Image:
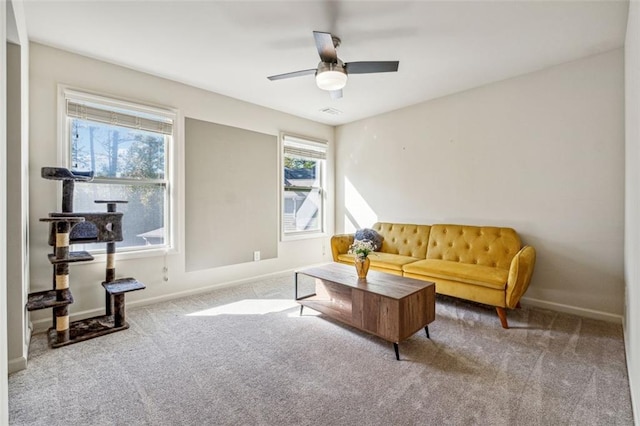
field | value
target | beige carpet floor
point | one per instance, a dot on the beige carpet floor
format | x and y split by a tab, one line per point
243	356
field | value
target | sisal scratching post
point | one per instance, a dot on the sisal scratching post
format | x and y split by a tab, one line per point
62	279
110	270
60	297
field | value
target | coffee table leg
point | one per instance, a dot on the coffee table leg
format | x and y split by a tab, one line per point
301	307
395	347
426	329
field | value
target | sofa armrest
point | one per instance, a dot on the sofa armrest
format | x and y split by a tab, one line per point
340	244
520	273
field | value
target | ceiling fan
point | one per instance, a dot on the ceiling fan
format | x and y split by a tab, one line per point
331	73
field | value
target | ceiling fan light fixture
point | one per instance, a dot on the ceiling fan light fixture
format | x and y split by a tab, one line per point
331	76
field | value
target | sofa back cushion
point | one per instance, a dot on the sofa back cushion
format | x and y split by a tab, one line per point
403	239
480	245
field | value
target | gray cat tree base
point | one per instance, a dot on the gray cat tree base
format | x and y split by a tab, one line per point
68	228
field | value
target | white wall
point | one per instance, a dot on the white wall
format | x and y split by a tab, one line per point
18	190
632	197
50	67
542	153
4	417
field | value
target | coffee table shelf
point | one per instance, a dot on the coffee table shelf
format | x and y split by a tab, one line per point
327	307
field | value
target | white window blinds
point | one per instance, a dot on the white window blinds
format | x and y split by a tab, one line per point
304	149
130	119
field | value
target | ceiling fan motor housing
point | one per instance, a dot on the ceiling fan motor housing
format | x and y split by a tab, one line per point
331	76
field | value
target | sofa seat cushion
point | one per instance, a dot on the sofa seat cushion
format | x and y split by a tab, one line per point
382	260
485	276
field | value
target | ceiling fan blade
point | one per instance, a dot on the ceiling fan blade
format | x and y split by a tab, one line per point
336	94
292	74
371	67
326	50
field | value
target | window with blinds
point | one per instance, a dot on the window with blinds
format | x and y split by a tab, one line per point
127	147
303	186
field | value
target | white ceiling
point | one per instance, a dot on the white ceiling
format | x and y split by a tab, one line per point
231	47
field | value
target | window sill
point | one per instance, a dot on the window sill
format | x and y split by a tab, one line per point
101	255
297	237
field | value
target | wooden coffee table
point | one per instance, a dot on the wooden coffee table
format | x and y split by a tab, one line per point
388	306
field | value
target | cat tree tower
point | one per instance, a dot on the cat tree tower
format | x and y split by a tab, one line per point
69	227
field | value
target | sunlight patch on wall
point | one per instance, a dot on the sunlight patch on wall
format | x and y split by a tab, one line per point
358	213
248	307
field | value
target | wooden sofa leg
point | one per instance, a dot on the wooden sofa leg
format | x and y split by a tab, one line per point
502	313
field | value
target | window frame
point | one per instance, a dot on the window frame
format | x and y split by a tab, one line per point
322	180
65	151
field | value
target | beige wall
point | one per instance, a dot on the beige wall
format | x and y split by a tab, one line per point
50	67
4	418
542	153
632	213
13	202
17	204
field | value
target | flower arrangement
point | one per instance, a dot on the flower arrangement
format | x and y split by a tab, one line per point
361	248
371	235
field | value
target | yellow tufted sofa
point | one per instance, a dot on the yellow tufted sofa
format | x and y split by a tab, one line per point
479	263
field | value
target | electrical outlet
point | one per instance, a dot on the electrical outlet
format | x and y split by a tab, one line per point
256	256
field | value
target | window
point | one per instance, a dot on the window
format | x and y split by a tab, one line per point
127	146
303	189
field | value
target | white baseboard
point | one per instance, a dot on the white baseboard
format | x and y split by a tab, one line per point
634	401
568	309
17	364
207	289
44	324
20	363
